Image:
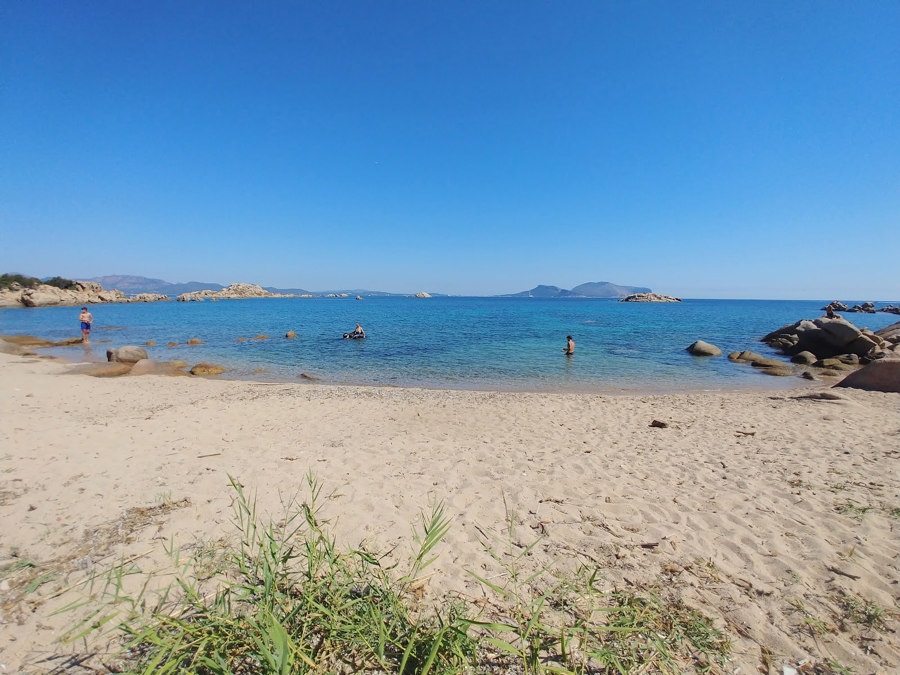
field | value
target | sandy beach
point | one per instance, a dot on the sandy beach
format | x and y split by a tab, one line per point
771	512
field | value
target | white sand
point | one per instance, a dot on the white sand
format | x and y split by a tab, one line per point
741	494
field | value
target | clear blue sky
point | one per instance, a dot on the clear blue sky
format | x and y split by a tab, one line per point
704	149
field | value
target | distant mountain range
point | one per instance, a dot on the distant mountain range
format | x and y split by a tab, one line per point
592	289
132	285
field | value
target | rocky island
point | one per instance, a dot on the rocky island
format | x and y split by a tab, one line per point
649	297
237	291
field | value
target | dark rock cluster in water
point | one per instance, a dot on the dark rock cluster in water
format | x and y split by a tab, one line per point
828	346
864	308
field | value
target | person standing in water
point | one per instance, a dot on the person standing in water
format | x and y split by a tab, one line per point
86	319
570	346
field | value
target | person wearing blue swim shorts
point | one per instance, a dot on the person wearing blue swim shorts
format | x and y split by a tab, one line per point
86	319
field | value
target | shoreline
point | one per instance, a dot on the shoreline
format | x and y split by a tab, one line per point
745	496
766	383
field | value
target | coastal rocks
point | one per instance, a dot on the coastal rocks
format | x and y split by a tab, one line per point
149	297
804	358
112	369
865	308
833	346
237	291
701	348
204	369
127	354
26	344
152	367
823	337
83	293
764	363
649	297
881	375
290	335
195	341
890	335
20	345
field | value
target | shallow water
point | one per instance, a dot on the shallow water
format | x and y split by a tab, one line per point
466	343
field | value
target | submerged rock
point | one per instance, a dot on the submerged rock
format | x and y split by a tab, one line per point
151	367
207	369
701	348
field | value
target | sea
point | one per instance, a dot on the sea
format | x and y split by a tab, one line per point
470	343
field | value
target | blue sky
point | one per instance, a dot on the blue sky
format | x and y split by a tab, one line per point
703	149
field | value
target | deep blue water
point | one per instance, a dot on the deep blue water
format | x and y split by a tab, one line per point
465	343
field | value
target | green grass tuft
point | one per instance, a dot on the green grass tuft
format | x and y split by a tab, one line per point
285	599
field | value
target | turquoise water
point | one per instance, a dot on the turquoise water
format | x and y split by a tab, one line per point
464	343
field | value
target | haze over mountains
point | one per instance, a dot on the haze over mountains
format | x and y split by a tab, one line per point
133	285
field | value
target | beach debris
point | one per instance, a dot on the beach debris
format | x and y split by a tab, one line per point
659	424
207	369
211	454
307	376
837	570
701	348
127	354
744	433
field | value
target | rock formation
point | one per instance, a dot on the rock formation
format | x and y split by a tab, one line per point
701	348
237	291
202	369
881	375
865	308
127	354
649	297
834	346
826	338
84	293
765	364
